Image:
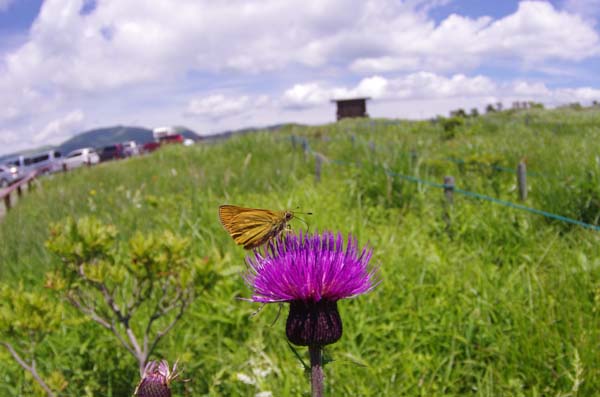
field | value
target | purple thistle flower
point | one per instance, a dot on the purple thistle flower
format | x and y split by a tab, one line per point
312	272
156	380
309	268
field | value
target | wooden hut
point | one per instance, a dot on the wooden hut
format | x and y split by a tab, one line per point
352	107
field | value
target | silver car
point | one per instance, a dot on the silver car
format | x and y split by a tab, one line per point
9	174
79	157
130	148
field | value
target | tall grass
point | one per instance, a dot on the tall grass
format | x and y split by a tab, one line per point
501	302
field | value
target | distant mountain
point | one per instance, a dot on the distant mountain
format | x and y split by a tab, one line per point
242	131
101	137
108	136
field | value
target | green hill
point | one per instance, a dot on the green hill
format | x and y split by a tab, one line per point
100	137
107	136
480	297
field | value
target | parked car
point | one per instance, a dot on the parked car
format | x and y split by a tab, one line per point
130	148
174	138
79	157
19	161
112	152
9	174
150	147
46	162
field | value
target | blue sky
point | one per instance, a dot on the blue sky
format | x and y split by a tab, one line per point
71	65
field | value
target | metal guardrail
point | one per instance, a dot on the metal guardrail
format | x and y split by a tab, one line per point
6	193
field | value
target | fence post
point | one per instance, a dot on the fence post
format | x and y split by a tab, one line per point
19	191
318	163
413	158
449	189
293	138
305	149
7	202
449	194
522	180
389	187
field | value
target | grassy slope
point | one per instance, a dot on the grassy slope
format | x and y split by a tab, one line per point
505	303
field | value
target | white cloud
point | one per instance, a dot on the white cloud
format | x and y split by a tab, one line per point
535	23
58	130
385	63
8	137
375	87
529	36
582	94
585	8
217	106
429	85
524	88
420	85
425	86
306	95
302	96
130	42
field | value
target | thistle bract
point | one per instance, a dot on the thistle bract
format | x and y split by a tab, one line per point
156	380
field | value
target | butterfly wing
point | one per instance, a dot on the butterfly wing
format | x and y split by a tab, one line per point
251	227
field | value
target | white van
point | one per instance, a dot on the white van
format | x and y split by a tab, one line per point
19	161
47	162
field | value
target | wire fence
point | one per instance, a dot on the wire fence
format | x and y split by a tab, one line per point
456	160
307	149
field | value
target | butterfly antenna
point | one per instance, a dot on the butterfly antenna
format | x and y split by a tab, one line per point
303	221
303	213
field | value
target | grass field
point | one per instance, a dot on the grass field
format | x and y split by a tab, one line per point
476	299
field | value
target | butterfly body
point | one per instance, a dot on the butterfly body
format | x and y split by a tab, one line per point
253	227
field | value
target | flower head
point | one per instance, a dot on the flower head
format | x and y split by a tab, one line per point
311	272
309	268
156	380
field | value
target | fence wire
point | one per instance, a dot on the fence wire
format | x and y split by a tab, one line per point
306	146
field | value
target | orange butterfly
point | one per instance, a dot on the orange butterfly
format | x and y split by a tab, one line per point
253	227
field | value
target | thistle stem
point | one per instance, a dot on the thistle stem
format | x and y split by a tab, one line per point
316	370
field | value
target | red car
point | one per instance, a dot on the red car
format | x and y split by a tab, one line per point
150	147
163	140
176	138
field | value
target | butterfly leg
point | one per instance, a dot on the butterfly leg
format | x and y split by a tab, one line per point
262	305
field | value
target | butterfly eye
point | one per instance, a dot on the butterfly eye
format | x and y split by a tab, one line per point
288	216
